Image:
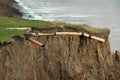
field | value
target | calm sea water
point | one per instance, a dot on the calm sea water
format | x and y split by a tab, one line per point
98	13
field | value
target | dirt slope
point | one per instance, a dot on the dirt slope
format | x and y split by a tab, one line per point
9	8
64	57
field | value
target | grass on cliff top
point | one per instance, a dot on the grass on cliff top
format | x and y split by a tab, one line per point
87	28
5	35
5	22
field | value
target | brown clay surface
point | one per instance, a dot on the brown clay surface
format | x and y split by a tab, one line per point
64	57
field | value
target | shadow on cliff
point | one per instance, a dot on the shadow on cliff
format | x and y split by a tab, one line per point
9	8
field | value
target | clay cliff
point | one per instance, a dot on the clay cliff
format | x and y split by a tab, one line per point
64	57
9	8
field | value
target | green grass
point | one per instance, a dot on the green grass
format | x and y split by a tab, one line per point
92	30
14	22
84	27
5	22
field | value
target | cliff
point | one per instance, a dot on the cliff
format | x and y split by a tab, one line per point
64	57
9	8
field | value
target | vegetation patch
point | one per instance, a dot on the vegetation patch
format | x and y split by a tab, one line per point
5	22
87	28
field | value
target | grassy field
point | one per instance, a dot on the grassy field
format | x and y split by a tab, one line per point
14	22
5	22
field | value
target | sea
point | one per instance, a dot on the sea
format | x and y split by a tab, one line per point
97	13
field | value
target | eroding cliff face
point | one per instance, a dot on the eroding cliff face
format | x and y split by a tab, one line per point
9	8
64	57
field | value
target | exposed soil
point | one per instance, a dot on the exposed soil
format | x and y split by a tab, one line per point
64	57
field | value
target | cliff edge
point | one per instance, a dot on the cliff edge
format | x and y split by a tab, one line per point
9	8
64	57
